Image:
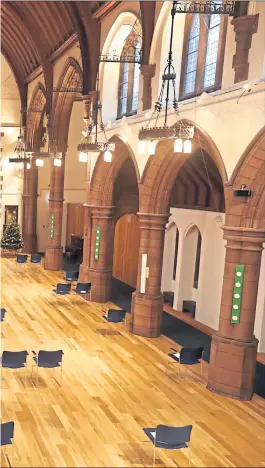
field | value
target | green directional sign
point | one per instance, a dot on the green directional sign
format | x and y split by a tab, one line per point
97	243
237	294
52	226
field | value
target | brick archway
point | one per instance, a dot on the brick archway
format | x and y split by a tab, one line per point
71	78
234	346
105	174
162	169
35	116
250	170
33	142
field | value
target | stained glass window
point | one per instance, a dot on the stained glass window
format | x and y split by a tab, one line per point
192	56
124	88
213	24
136	78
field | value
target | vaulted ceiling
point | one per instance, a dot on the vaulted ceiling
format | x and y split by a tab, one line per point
33	32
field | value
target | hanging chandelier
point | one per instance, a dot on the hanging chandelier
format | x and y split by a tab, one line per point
90	143
52	152
21	155
181	132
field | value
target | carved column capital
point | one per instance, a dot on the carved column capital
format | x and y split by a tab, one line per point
153	221
241	238
102	212
244	27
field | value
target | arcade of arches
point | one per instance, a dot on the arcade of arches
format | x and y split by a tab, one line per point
180	209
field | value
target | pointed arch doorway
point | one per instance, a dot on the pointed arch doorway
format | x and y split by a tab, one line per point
126	249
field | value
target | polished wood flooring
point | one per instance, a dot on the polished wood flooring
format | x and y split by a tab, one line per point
114	385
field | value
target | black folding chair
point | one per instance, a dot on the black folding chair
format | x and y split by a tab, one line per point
47	360
186	356
83	288
71	275
7	434
62	288
171	438
22	258
115	315
14	359
3	313
35	258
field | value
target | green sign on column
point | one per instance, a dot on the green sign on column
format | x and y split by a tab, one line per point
237	294
97	243
52	226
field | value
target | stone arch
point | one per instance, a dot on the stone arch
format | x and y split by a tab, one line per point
163	168
71	77
105	174
249	171
35	117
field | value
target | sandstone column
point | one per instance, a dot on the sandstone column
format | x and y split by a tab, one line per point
148	72
54	249
100	269
244	27
234	347
30	208
147	307
84	267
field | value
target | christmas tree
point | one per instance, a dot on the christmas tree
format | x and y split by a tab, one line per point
12	238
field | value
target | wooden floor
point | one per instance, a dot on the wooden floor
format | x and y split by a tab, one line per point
114	385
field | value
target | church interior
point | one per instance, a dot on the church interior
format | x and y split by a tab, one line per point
132	226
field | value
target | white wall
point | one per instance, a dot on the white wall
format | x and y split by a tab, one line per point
259	328
208	294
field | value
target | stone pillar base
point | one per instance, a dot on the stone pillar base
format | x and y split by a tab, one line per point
53	258
232	367
30	243
84	274
101	285
147	312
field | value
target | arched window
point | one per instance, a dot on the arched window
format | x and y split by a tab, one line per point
129	77
203	54
197	261
176	254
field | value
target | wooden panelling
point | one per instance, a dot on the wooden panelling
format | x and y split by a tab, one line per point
126	249
75	220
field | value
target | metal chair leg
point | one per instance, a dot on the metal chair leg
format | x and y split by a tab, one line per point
154	456
201	372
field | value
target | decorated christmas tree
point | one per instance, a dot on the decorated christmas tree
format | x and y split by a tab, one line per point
12	238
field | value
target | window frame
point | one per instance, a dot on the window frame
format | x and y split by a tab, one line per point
200	70
129	111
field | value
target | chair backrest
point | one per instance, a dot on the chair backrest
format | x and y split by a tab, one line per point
50	357
3	313
116	315
14	358
63	288
83	288
172	435
71	275
21	258
35	258
190	355
7	431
